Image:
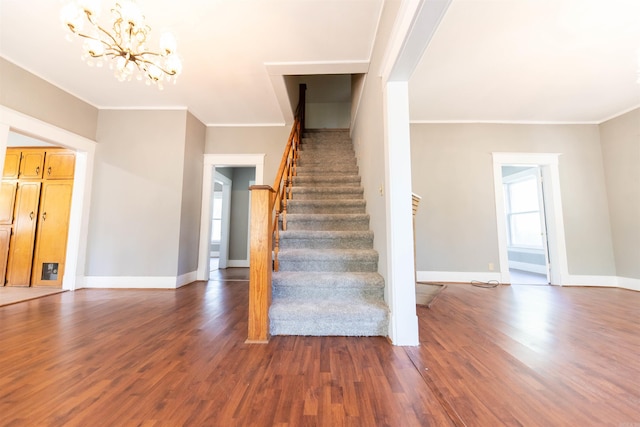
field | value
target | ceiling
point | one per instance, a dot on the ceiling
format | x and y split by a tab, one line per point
565	61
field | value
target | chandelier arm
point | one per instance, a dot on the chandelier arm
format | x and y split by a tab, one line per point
161	68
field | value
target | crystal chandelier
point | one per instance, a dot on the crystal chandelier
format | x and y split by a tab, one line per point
122	41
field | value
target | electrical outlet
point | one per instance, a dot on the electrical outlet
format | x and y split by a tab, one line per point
490	266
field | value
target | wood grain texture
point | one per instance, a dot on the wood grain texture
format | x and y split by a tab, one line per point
260	263
532	356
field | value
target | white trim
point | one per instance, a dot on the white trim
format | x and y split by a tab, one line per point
210	161
225	220
130	282
548	163
185	279
278	70
400	291
585	280
629	283
457	276
502	122
415	25
235	263
527	266
628	110
246	125
83	179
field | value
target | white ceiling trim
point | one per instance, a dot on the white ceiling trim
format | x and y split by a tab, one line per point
412	32
502	122
245	125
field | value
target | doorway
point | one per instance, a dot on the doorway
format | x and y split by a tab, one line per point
527	246
213	162
545	166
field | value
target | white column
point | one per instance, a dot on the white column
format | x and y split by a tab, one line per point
403	327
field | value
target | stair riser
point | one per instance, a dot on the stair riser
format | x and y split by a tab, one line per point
312	327
318	293
326	244
344	225
335	266
328	181
326	194
322	210
327	169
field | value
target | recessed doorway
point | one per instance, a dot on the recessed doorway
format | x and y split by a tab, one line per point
545	166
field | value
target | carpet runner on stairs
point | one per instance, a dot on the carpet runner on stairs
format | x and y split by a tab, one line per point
328	282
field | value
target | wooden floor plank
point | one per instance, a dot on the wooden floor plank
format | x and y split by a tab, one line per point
504	356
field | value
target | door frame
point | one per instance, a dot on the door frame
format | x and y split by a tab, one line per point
210	162
84	148
223	255
548	164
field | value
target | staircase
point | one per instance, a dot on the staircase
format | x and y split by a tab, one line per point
327	283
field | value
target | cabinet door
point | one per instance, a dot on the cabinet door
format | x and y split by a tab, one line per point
32	164
22	241
11	164
7	199
59	164
5	237
51	238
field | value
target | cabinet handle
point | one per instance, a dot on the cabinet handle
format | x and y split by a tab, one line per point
37	170
49	170
31	216
44	216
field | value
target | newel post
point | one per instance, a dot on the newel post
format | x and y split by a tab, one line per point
260	263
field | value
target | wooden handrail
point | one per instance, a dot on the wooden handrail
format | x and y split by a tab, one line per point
284	178
268	207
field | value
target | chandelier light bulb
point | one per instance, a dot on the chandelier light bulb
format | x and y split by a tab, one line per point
122	39
92	7
168	43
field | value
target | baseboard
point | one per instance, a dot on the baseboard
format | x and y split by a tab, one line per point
234	263
571	280
127	282
603	281
185	279
629	283
457	276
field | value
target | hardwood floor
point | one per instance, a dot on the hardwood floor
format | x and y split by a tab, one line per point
521	355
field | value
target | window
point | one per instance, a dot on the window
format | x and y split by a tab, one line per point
216	226
524	227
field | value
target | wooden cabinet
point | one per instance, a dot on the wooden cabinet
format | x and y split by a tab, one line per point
5	237
35	203
24	232
59	165
11	164
51	236
24	163
7	199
